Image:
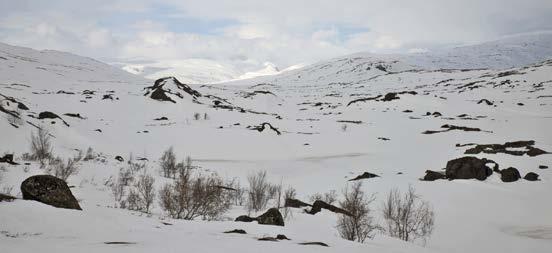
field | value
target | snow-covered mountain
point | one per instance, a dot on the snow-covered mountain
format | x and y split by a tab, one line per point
335	120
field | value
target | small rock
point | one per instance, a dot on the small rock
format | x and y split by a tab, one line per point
244	218
542	167
271	217
119	158
531	176
509	175
433	175
281	237
236	231
364	175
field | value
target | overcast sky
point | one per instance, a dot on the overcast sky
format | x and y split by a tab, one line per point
250	32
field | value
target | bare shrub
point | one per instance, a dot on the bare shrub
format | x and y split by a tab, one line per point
145	191
344	127
41	146
191	196
89	154
61	169
197	116
168	163
238	194
289	193
407	216
259	191
360	225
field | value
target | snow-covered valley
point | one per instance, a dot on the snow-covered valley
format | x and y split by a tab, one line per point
394	116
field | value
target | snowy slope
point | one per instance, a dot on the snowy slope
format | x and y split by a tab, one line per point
314	153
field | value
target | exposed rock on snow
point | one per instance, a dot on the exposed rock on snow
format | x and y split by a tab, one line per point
264	126
511	148
433	175
318	205
364	175
531	176
74	115
451	128
235	231
295	203
8	158
271	217
6	198
510	174
314	243
51	115
49	190
169	89
468	167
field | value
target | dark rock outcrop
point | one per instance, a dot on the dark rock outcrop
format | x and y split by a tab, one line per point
281	237
271	217
236	231
119	158
510	148
245	218
509	175
295	203
433	175
314	243
264	126
8	158
543	167
49	190
159	92
467	168
364	175
486	101
531	176
6	198
51	115
318	205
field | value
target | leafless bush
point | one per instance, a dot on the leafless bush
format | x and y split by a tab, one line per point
360	225
407	216
61	169
191	196
344	127
259	191
289	193
328	197
237	195
168	163
205	116
197	116
41	146
146	192
89	154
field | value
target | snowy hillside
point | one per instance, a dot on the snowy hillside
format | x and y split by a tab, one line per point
331	122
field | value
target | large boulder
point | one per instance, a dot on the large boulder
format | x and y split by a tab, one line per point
509	175
468	167
295	203
49	190
271	217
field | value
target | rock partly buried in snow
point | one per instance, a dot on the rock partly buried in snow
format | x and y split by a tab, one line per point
49	190
51	115
543	167
8	158
364	175
318	205
468	167
486	101
119	158
236	231
6	198
169	89
245	218
261	128
271	217
509	175
295	203
510	148
433	175
451	128
531	176
314	243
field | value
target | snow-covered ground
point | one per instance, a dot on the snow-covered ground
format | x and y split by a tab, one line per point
315	152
